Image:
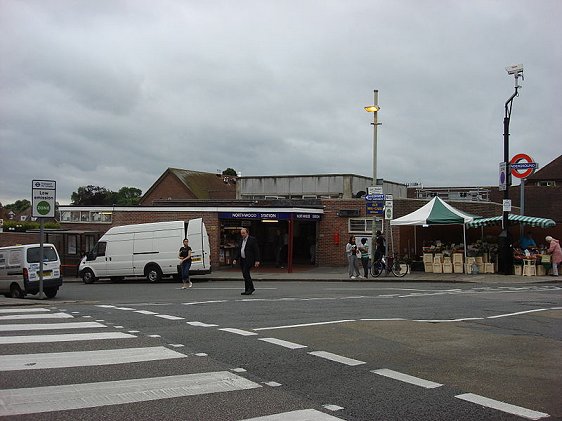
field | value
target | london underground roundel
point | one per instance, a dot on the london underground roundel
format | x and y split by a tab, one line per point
522	162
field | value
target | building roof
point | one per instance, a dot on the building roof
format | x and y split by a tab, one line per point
202	185
550	172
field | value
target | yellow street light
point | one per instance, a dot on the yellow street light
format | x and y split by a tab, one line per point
372	108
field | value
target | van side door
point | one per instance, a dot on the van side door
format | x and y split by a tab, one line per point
96	259
199	243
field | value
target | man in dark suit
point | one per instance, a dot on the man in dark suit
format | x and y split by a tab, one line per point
248	254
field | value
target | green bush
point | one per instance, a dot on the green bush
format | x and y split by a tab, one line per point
23	226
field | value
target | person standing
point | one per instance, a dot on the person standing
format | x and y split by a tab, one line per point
248	255
556	251
351	253
364	249
380	246
527	242
185	262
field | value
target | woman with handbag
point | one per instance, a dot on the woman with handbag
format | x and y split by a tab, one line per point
556	252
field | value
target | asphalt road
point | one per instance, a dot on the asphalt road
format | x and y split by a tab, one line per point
329	350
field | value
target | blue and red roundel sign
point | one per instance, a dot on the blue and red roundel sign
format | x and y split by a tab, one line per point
524	163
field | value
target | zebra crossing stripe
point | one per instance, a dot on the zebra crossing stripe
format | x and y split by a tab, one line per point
67	337
23	310
300	415
90	395
337	358
50	326
85	358
37	316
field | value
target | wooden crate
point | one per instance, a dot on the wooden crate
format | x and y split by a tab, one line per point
447	267
458	268
488	268
517	269
428	258
458	258
428	267
437	267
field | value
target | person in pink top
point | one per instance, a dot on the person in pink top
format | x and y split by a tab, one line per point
556	251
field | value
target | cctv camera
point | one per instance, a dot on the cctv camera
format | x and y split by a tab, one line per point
515	69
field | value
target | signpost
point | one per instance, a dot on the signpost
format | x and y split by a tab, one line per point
44	196
522	162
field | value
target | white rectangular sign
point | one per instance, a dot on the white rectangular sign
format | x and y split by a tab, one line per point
374	190
507	205
43	198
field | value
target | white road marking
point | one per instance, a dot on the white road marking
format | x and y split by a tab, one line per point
85	358
204	302
37	316
303	325
517	313
201	354
124	308
337	358
502	406
165	316
449	320
67	337
300	415
383	320
273	384
239	370
154	336
23	310
49	326
238	331
105	306
150	313
286	344
177	345
89	395
201	324
406	378
333	407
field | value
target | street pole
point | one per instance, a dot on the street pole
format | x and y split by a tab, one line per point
375	125
505	242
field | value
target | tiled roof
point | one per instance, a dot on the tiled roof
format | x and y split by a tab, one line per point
206	185
550	172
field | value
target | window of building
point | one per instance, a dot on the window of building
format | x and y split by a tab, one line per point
86	216
72	244
546	183
361	225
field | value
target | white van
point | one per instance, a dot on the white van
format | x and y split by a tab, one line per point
150	250
19	270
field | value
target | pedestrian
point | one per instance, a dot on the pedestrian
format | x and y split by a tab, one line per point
185	263
380	246
554	249
248	255
364	249
527	242
351	253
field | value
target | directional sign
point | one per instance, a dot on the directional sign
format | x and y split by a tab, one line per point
43	195
375	208
374	197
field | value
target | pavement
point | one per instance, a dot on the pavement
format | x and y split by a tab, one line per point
335	274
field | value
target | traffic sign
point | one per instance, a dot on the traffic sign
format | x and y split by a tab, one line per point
43	198
374	197
503	176
528	167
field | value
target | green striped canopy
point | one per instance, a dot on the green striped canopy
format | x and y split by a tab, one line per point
532	221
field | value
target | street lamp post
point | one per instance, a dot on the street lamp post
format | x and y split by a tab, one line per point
375	110
506	245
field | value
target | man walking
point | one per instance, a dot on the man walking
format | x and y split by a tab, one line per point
248	254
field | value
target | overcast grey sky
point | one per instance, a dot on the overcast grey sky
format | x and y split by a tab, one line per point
111	93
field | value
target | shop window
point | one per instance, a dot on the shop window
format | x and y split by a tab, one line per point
72	244
65	216
106	216
361	225
84	216
74	216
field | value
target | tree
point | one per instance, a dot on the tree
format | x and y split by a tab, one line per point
92	195
18	206
230	171
127	196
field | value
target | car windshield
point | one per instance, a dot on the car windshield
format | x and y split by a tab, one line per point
49	254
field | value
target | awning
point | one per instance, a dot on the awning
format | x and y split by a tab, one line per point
531	221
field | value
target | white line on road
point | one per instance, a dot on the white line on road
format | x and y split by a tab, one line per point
286	344
23	310
336	358
238	331
449	320
303	325
204	302
518	313
165	316
150	313
90	395
67	337
201	324
85	358
300	415
502	406
49	326
406	378
383	320
37	316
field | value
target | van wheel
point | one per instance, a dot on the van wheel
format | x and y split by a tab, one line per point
16	292
88	276
51	292
153	274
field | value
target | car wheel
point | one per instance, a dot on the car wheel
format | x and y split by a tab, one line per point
88	276
16	292
153	274
51	292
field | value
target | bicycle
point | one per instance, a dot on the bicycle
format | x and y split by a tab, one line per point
397	266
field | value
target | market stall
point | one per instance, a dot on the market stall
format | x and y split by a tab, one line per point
437	212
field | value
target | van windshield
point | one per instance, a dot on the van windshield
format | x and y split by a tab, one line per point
49	254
